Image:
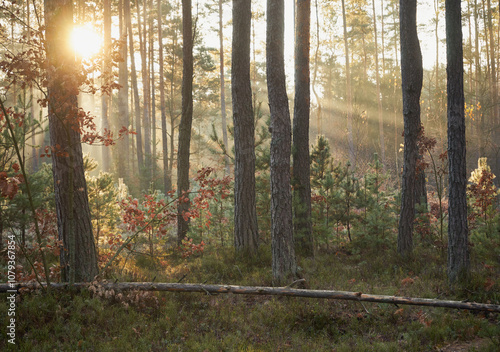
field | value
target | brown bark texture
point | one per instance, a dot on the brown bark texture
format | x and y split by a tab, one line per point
458	249
70	188
283	263
122	146
268	291
246	236
301	163
411	76
106	80
137	109
146	91
186	118
167	182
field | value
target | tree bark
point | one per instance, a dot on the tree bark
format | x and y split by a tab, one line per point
106	80
246	235
411	77
268	291
379	95
186	119
319	109
493	75
458	248
153	91
301	162
78	257
478	79
146	93
283	250
223	90
350	139
122	146
137	108
167	182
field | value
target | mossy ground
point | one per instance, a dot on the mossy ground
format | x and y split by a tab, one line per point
65	321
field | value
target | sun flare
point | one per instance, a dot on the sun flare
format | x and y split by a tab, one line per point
85	41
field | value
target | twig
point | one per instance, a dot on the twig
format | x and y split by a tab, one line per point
295	282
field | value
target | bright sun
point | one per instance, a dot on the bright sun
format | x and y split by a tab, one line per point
85	41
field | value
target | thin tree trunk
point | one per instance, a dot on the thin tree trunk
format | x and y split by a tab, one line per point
301	162
379	95
477	60
350	138
123	119
106	74
493	75
315	73
172	107
223	90
34	156
458	247
146	92
411	78
153	92
436	33
382	35
137	108
186	119
167	182
272	291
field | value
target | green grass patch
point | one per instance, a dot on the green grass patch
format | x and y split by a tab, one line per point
69	321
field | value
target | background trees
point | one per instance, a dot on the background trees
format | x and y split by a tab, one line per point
356	108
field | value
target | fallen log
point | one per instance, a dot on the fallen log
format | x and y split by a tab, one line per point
256	290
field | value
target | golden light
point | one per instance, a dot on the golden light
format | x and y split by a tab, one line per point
85	41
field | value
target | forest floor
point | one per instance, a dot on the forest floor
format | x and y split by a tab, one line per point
146	321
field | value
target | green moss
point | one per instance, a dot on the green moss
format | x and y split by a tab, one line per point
66	321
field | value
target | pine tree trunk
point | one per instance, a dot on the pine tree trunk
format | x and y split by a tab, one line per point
34	156
167	182
153	92
122	147
382	35
301	162
492	46
379	95
350	138
478	80
137	108
246	235
284	264
458	247
146	92
315	74
78	259
186	118
106	74
223	90
172	107
411	78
